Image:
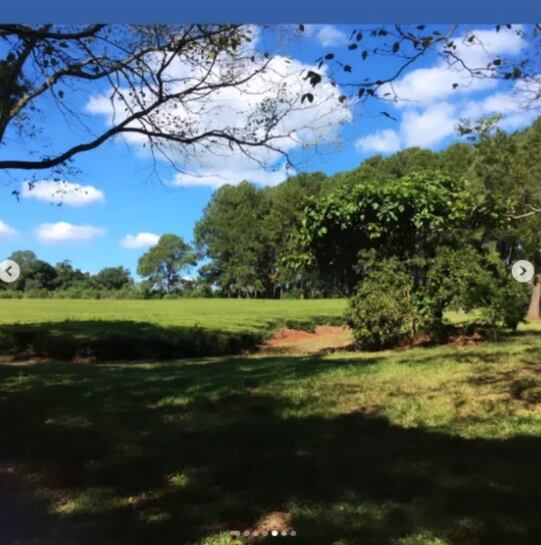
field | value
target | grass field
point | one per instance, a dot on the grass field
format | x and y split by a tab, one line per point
227	314
67	329
426	446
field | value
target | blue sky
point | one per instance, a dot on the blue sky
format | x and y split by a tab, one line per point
122	198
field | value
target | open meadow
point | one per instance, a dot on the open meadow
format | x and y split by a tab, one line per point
128	330
422	446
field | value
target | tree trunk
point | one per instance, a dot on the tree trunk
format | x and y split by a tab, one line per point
535	299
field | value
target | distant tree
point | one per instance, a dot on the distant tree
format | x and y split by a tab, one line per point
246	231
113	278
69	277
286	210
23	257
35	273
164	263
232	235
39	275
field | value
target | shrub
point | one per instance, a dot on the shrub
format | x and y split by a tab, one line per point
37	293
11	294
381	310
508	303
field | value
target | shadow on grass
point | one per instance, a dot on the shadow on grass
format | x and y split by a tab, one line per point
119	340
170	454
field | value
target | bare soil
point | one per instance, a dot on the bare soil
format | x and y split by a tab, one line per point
294	341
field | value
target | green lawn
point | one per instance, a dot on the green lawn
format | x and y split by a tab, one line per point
429	446
227	314
426	446
67	329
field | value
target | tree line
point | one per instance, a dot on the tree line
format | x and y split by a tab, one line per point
315	235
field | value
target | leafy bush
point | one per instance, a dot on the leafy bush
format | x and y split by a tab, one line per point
381	310
11	294
508	304
36	293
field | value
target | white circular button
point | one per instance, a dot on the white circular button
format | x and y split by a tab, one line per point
522	271
9	271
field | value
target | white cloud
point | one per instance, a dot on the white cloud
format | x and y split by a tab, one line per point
488	44
424	86
6	232
516	112
428	127
329	35
421	127
140	240
62	192
385	141
280	86
218	172
431	109
52	233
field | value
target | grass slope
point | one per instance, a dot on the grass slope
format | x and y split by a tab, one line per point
429	446
67	329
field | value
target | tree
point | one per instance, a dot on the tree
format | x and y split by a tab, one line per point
164	263
113	278
35	273
69	277
231	234
286	209
162	85
23	257
506	166
407	218
381	311
246	233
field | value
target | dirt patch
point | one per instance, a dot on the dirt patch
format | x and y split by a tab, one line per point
277	522
466	340
294	341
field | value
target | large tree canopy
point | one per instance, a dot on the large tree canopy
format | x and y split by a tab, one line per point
406	218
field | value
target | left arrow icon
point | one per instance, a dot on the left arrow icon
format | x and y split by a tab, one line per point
9	271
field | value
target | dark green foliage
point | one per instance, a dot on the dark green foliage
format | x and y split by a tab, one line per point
69	277
508	303
232	236
246	232
113	278
381	310
408	218
35	273
120	341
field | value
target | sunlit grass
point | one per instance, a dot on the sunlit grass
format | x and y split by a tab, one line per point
227	314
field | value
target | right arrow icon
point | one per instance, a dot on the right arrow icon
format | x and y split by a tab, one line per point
522	271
